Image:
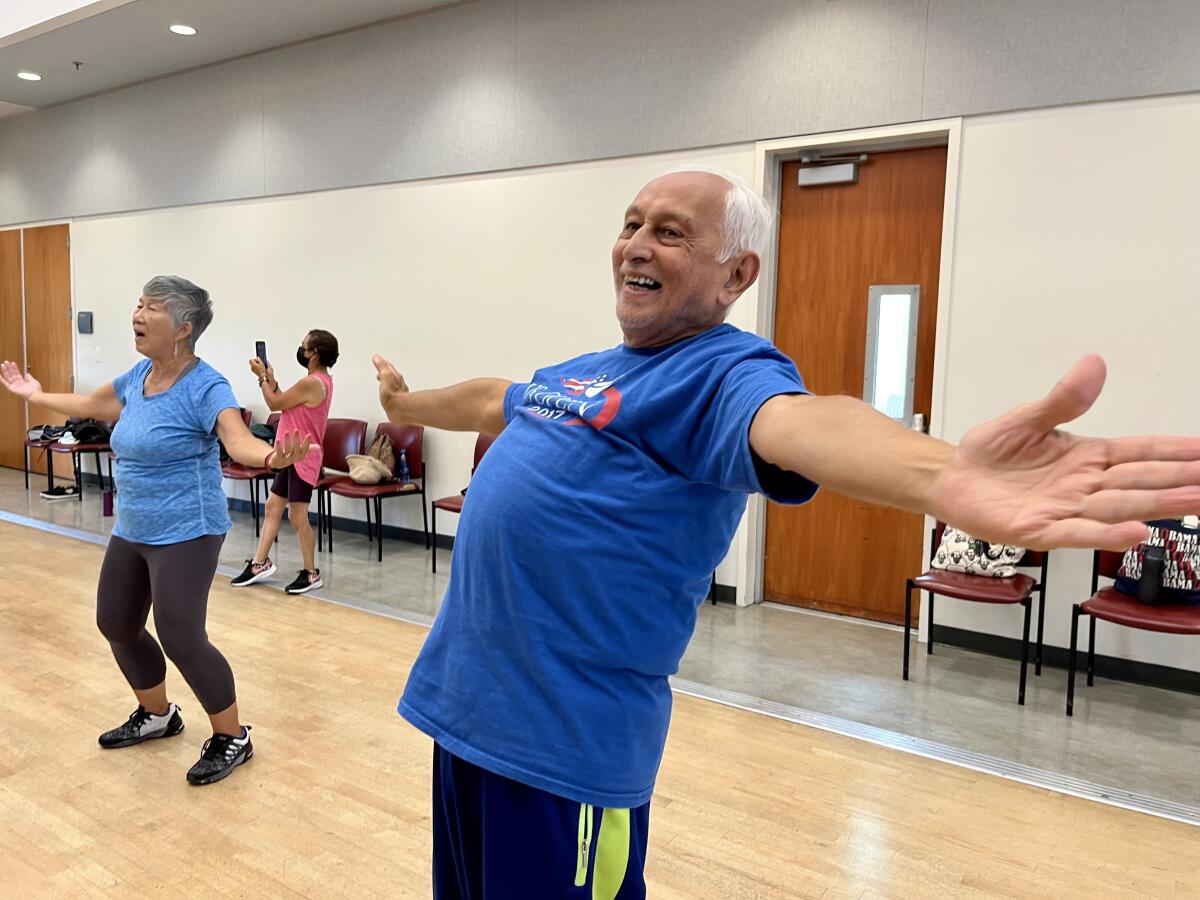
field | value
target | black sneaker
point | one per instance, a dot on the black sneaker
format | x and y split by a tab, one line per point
143	726
60	493
222	754
305	581
253	572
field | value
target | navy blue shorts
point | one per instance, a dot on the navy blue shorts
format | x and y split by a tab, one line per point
497	838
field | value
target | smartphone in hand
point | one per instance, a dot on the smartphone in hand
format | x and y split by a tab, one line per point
260	350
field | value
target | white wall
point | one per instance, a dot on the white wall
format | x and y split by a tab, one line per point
1077	231
489	275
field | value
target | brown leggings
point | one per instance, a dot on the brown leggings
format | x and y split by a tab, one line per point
174	579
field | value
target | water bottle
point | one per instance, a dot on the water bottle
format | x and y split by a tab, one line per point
106	502
403	468
1152	570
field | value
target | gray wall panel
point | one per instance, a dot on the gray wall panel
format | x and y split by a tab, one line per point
987	56
628	76
41	171
425	96
189	139
501	84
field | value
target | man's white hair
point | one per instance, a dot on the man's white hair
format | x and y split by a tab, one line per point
748	217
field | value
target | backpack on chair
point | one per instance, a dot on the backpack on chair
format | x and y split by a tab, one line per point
376	465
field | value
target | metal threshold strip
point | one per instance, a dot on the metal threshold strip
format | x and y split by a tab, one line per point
893	740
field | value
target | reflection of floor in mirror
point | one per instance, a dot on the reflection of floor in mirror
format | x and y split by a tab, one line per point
1124	736
335	802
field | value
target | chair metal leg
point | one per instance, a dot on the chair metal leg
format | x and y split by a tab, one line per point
112	483
908	589
929	626
1071	660
320	521
367	501
254	508
712	590
433	516
329	518
379	526
1037	664
49	457
26	467
77	467
1091	660
1028	604
425	516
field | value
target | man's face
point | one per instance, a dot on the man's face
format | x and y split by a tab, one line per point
669	284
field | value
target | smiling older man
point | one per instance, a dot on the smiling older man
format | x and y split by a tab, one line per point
544	680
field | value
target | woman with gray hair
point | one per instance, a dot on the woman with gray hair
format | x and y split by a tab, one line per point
172	516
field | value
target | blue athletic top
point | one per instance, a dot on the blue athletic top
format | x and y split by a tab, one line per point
168	462
589	537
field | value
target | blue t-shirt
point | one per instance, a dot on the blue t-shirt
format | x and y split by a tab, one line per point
168	462
591	532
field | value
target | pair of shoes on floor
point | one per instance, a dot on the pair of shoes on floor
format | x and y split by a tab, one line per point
222	753
254	572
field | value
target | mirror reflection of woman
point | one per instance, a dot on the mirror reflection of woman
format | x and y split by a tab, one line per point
171	517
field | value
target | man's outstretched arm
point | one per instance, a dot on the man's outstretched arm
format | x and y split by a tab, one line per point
1016	479
475	405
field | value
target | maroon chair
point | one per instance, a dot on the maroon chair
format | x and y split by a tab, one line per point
1020	588
44	446
454	503
77	451
343	437
1111	605
410	439
252	475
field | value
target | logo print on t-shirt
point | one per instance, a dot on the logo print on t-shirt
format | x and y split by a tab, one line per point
591	401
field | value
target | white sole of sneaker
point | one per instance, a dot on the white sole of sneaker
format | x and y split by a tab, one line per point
266	573
305	590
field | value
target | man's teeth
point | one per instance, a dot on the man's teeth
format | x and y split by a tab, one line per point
642	281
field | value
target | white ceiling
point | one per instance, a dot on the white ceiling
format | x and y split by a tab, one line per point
125	43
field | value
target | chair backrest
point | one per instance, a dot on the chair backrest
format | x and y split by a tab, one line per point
1033	559
410	439
1105	563
245	416
273	419
342	438
481	447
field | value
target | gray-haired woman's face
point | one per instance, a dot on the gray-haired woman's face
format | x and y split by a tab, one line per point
154	332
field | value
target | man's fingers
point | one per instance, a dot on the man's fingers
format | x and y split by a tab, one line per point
1150	447
1122	506
1154	475
1088	534
1072	396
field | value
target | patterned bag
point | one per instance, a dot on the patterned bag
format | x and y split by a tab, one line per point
1180	579
959	552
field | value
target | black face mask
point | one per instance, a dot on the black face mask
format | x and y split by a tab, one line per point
302	356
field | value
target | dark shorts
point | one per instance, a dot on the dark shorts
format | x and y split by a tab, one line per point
497	838
291	486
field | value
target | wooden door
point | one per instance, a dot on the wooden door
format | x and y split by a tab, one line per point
835	241
12	347
48	325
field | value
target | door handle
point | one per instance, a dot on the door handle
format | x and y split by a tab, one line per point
919	423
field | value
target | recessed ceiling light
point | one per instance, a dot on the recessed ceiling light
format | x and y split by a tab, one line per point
29	76
187	30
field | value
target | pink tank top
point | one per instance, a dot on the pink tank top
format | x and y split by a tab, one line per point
309	420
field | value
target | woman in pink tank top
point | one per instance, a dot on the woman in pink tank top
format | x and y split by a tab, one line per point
304	407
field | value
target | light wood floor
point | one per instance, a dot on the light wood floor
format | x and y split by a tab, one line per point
335	803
